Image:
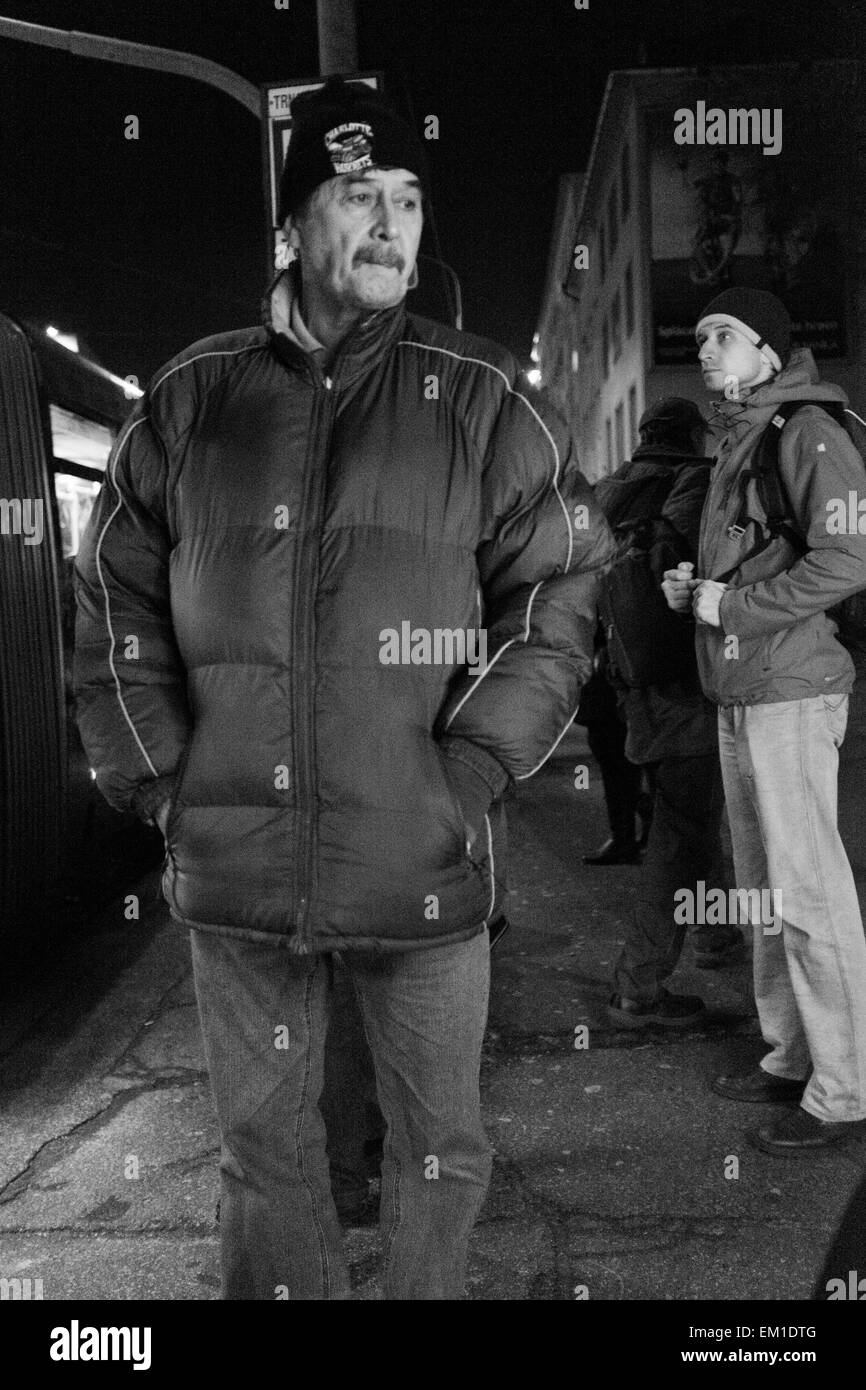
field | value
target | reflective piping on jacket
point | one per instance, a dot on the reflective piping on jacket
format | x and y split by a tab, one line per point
479	361
504	648
118	687
492	870
523	776
234	352
108	623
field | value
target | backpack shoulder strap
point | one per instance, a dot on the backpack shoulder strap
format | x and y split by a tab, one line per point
768	478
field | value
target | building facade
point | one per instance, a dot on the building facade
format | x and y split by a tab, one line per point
698	180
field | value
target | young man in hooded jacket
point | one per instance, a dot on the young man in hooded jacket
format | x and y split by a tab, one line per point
769	657
338	593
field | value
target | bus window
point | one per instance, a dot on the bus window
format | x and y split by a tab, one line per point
86	445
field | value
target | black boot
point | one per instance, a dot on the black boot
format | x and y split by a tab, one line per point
615	851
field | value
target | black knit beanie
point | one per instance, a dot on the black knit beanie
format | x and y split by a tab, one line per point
757	313
339	128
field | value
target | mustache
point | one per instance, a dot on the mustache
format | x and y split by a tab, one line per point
384	257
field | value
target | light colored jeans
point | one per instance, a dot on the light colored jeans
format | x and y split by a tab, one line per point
264	1016
779	766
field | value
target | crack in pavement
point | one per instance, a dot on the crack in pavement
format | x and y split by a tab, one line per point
59	1146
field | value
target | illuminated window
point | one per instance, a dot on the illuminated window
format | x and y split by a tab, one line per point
86	445
625	183
629	302
632	417
612	220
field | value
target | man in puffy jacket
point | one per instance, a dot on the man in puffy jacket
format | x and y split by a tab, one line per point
769	657
308	533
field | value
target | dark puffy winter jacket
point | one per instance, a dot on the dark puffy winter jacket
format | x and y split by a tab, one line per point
674	720
262	529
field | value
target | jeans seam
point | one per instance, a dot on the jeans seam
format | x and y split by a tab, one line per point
299	1148
389	1239
835	942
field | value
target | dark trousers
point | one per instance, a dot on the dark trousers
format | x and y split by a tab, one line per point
684	846
620	778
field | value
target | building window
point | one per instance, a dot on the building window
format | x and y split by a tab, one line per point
616	326
605	348
602	248
625	183
632	417
629	302
609	433
620	433
612	220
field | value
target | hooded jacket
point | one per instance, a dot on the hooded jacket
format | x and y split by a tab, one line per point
786	647
674	720
273	591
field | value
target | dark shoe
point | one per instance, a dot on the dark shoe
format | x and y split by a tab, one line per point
615	852
719	956
799	1133
668	1011
759	1087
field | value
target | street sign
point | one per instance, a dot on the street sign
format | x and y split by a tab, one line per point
277	98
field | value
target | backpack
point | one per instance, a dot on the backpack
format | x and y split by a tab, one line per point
850	614
648	644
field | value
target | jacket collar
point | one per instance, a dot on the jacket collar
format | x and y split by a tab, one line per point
797	381
364	345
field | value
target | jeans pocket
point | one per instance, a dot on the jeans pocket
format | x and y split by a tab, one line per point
836	712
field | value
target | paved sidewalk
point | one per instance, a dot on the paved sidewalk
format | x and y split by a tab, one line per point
610	1171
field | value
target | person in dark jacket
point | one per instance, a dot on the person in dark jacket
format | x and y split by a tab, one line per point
338	594
626	801
769	657
672	730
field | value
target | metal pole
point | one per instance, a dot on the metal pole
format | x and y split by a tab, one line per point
338	41
139	55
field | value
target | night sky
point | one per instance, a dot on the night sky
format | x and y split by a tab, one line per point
143	246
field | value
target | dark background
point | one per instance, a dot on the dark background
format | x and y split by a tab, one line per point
143	246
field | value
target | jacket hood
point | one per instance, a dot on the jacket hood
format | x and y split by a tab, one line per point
797	381
360	344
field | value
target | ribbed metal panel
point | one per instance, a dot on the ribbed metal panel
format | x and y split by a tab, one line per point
32	709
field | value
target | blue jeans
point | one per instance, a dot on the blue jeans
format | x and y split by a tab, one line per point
779	764
264	1016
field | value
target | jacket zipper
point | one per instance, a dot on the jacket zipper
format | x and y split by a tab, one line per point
303	653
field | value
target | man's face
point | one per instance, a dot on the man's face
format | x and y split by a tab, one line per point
358	238
726	355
